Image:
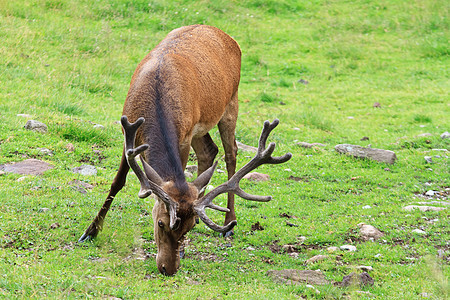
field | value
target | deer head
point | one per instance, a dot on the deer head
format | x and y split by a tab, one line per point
175	210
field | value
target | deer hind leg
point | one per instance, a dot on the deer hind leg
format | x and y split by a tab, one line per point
227	127
206	151
117	184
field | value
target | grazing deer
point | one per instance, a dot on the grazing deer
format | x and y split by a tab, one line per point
178	93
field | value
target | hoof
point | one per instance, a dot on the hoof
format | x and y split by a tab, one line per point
89	235
228	233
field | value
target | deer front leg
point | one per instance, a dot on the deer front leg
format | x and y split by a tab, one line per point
227	127
117	184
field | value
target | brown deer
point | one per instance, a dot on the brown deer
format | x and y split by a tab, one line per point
178	93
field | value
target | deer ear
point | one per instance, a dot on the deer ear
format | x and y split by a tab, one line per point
202	181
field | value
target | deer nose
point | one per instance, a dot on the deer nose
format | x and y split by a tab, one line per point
163	270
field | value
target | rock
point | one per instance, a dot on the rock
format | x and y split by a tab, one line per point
192	169
310	145
36	126
85	170
289	248
377	105
430	193
424	134
316	258
423	208
258	177
2	173
368	232
366	207
362	280
293	276
380	155
428	159
27	116
45	151
43	209
70	147
364	138
332	249
98	126
309	286
350	248
418	231
364	268
445	135
247	148
27	167
249	248
54	225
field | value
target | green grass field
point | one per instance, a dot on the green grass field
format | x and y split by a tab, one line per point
318	66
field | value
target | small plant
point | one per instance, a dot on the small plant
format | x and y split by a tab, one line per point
264	97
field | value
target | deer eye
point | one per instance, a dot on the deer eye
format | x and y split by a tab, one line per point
160	224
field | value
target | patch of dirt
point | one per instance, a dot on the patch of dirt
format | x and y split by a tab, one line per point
353	279
257	226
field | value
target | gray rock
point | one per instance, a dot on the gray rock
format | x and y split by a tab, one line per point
247	148
418	231
350	248
316	258
293	276
192	169
45	151
364	268
258	177
445	135
380	155
430	193
98	126
368	232
36	126
332	249
428	159
27	116
423	208
27	167
362	279
85	170
310	145
367	207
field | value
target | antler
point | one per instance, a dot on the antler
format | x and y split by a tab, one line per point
263	156
150	182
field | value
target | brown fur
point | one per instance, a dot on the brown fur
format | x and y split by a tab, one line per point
183	88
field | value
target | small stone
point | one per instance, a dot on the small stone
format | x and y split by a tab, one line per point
98	126
249	248
85	170
313	288
387	169
364	138
367	207
378	255
364	268
362	279
423	208
36	126
70	147
332	249
428	159
316	258
45	151
192	169
445	135
380	155
246	148
369	232
310	145
430	193
43	209
350	248
258	177
27	116
20	179
377	105
418	231
288	248
54	225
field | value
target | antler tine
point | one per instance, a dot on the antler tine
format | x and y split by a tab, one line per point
263	156
147	186
131	153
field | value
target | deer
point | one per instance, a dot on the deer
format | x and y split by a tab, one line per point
183	88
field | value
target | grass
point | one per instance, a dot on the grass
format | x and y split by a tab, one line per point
318	66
